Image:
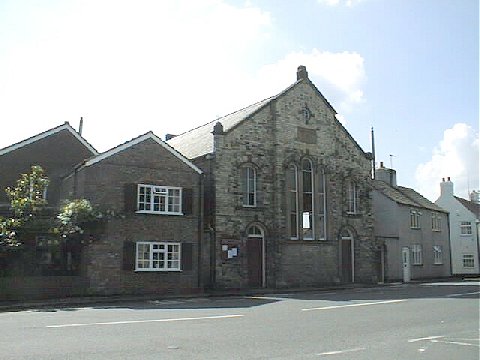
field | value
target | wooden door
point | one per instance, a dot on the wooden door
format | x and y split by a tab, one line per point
255	261
347	270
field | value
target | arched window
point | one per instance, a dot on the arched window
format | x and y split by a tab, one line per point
307	200
353	201
292	200
249	186
322	206
255	231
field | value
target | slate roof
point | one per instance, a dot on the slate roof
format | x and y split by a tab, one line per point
65	126
405	196
470	205
199	141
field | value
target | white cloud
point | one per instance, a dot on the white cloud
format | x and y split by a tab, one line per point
339	76
456	156
165	66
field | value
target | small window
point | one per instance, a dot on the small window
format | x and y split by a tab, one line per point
414	219
159	199
157	256
249	186
417	255
436	222
468	261
465	228
255	231
437	255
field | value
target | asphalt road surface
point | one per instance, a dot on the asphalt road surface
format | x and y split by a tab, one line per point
420	321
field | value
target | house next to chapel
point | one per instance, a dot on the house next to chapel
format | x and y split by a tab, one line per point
287	194
413	231
148	239
464	229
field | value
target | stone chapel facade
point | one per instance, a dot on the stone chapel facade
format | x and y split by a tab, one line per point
287	194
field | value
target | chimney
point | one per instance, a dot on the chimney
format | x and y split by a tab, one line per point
80	126
386	175
446	187
217	136
302	73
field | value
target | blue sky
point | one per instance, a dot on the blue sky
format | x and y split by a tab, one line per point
409	68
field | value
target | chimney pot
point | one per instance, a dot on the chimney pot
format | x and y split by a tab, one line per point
448	178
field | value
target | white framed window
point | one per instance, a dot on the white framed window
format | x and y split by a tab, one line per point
292	199
415	219
468	261
157	256
307	200
249	186
465	228
159	199
353	201
417	254
437	255
436	222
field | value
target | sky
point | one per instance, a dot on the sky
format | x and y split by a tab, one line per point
407	68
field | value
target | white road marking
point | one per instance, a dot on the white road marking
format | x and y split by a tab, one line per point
454	343
147	321
424	338
354	305
462	294
340	351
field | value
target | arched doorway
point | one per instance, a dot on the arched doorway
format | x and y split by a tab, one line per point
347	256
256	256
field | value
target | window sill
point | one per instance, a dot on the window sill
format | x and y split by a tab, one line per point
157	213
157	270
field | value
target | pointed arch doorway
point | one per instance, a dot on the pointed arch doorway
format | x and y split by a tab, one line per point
347	256
256	256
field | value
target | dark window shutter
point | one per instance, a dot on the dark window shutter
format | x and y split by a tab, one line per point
130	198
187	201
187	256
129	252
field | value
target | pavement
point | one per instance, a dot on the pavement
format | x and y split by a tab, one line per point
118	299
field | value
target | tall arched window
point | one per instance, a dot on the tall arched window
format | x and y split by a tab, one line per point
249	186
353	200
292	199
307	200
322	206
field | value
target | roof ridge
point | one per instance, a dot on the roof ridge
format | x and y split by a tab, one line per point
224	116
66	125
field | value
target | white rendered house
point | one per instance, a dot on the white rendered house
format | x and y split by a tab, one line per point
464	229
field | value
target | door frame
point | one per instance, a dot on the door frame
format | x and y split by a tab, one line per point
346	235
406	264
260	236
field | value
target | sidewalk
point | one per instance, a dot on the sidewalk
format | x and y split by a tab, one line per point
119	299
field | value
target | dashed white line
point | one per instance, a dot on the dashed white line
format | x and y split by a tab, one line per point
462	294
425	338
354	305
147	321
337	352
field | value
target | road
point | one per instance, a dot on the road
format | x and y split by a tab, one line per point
419	321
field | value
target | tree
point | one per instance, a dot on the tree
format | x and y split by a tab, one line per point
27	200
